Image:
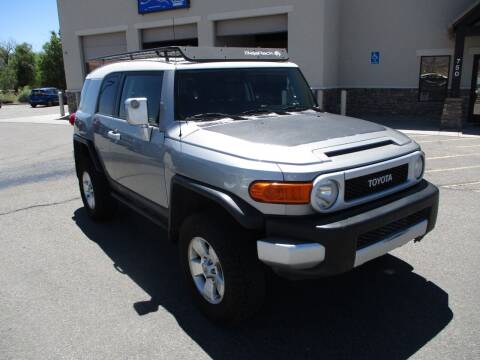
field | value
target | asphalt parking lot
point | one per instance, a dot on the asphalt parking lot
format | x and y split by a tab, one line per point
70	288
22	111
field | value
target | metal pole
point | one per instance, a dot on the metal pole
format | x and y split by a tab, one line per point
320	98
343	104
77	100
62	105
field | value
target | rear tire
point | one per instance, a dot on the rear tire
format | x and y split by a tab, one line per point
95	193
33	105
241	293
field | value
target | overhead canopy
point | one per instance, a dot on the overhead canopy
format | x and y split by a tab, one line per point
469	19
467	24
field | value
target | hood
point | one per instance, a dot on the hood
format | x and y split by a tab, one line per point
291	139
295	130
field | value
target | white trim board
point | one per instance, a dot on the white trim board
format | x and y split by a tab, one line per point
276	10
98	31
168	22
434	52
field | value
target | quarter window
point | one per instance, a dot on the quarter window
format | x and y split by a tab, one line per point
434	74
147	86
108	93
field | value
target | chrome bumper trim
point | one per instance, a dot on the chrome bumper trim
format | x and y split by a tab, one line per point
392	242
280	253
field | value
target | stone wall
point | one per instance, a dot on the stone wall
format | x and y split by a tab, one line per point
388	102
73	99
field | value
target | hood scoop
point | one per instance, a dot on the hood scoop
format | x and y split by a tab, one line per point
355	149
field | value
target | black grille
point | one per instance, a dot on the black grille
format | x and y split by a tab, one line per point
370	184
384	232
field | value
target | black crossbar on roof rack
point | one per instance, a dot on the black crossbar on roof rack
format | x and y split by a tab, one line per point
199	54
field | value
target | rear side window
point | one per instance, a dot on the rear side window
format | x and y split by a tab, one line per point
88	98
147	85
108	93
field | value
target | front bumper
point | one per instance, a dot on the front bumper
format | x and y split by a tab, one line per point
323	245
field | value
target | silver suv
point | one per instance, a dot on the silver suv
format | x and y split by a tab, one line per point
227	149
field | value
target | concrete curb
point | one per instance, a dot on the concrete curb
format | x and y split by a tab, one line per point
438	133
41	119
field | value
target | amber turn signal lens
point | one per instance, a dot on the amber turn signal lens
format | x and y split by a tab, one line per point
280	192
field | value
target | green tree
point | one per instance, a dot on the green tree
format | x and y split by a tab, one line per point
52	72
7	49
24	65
8	78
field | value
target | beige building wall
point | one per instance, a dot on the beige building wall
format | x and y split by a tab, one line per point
402	31
330	39
309	28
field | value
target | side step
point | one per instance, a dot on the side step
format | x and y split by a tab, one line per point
156	218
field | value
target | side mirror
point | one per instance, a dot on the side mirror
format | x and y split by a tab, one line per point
137	111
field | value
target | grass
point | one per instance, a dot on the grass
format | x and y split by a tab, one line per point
10	96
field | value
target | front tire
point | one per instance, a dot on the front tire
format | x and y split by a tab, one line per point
95	193
220	265
33	105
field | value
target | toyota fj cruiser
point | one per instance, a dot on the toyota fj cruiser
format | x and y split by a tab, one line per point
227	149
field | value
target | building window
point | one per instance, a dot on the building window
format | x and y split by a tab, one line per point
434	74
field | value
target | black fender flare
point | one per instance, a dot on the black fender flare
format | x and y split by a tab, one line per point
91	151
246	215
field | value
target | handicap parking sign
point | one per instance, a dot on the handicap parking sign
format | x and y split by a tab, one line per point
375	58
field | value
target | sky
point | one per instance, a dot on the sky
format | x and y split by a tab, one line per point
28	21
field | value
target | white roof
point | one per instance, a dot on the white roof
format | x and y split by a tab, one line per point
156	65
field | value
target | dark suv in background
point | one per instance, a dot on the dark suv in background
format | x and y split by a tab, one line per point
44	96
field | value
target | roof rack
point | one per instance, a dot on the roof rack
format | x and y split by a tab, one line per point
198	54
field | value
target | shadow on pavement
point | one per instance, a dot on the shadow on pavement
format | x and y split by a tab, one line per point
382	310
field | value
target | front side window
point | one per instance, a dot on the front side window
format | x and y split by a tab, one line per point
143	86
235	91
434	73
108	93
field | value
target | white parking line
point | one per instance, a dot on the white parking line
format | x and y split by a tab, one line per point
468	146
452	169
460	185
452	156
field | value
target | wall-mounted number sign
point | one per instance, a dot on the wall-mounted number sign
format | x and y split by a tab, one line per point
375	58
457	71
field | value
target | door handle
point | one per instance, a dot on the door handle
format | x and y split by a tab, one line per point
113	135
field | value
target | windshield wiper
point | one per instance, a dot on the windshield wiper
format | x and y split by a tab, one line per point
256	111
301	108
212	116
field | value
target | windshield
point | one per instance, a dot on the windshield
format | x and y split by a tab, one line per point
240	91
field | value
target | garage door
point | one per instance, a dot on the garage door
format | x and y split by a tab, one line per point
182	35
161	34
253	26
95	46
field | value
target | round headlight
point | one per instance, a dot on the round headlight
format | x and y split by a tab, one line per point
324	195
418	167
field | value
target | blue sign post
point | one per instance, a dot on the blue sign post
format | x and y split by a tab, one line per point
375	58
149	6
